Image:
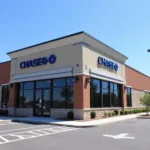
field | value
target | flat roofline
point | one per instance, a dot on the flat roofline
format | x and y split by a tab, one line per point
60	38
63	37
104	44
5	62
137	71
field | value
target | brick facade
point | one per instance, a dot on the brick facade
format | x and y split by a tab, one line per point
4	72
139	83
81	93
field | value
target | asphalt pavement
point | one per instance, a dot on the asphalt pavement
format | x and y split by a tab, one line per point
131	134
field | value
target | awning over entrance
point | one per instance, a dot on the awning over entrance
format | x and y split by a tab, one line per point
106	76
57	73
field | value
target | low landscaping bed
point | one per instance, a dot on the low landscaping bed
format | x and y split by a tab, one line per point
123	112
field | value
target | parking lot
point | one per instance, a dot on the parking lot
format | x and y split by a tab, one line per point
132	134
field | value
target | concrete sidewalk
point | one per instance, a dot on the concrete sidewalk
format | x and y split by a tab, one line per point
6	119
79	124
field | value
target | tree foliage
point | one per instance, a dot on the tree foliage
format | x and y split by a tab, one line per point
145	100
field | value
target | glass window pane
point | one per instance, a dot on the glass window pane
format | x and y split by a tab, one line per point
21	99
69	81
117	99
28	85
128	91
95	83
111	86
69	97
5	95
43	84
59	97
115	87
95	97
106	99
104	85
112	97
21	86
59	83
28	98
128	96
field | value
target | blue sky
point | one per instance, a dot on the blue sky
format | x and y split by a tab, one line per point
122	24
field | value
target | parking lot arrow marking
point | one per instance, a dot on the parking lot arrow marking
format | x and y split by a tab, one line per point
120	136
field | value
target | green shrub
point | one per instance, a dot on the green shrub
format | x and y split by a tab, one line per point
121	112
145	100
93	114
132	111
109	114
144	110
135	111
125	112
105	114
116	112
70	115
129	112
138	110
113	114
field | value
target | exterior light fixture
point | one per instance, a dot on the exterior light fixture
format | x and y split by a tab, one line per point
11	85
88	80
75	79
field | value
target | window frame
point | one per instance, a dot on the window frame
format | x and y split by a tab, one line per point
66	86
26	89
129	101
2	85
110	89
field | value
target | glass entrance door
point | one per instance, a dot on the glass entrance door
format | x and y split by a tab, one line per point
42	102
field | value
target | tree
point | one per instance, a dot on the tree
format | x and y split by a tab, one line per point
145	100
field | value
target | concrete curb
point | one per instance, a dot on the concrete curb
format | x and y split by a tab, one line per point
51	123
5	121
82	124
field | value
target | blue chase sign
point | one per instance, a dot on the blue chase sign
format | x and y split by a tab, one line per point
107	63
38	62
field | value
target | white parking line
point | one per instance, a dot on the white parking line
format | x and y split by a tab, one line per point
33	133
4	139
23	128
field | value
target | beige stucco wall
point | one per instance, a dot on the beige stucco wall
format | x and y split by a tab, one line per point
90	60
67	56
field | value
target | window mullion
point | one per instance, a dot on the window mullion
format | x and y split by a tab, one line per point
66	93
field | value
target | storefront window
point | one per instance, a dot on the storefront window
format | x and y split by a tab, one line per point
28	98
43	84
115	95
128	95
5	95
95	93
63	93
104	94
26	95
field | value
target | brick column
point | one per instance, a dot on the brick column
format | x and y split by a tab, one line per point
81	96
12	99
124	99
12	95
